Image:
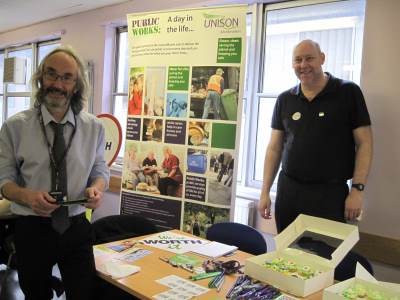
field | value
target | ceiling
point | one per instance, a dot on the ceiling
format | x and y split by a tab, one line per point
20	13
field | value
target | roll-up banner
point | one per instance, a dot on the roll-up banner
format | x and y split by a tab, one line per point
186	74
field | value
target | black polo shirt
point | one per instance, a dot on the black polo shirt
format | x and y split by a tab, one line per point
318	138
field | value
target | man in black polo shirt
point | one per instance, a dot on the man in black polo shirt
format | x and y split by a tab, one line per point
321	133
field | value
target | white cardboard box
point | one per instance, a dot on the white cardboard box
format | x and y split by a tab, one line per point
334	292
348	234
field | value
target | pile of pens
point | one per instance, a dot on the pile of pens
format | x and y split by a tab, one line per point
217	281
246	289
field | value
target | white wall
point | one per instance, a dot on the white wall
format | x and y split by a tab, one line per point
380	83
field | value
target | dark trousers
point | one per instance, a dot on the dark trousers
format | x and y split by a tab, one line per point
39	248
324	200
222	172
164	183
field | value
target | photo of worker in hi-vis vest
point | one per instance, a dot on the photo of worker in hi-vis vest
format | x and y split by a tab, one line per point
214	93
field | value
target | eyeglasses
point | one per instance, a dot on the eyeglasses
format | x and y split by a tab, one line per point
53	76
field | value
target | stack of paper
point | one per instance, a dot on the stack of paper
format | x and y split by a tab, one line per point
214	249
119	270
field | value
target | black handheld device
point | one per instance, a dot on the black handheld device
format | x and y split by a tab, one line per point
61	199
77	201
59	196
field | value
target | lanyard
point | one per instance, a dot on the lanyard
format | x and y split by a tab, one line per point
56	164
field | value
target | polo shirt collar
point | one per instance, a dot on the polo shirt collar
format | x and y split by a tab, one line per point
330	86
47	117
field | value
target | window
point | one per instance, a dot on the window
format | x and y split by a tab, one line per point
1	85
16	104
120	91
1	107
27	54
245	96
336	26
1	72
17	97
45	48
272	32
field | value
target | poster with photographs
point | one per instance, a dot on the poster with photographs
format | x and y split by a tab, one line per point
186	72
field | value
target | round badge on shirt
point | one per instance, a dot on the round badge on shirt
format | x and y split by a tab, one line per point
296	116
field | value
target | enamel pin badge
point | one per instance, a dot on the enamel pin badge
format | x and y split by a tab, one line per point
296	116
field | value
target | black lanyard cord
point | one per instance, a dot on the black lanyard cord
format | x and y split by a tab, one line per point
55	164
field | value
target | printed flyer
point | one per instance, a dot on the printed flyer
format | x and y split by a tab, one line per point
173	242
186	71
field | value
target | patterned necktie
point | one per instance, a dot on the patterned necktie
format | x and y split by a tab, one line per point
59	217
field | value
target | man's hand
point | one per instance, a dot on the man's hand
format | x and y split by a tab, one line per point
41	202
353	205
264	206
94	196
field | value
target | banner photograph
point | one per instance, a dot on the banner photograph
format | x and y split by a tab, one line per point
186	73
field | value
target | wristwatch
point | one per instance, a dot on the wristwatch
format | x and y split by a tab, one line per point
358	186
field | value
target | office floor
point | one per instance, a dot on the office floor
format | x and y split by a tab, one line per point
384	272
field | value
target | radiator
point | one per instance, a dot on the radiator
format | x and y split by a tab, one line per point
244	211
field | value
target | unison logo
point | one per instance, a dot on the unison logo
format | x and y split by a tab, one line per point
216	21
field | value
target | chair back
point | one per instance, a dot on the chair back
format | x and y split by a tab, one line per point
346	269
244	237
119	227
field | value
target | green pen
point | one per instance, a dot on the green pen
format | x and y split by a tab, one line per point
204	275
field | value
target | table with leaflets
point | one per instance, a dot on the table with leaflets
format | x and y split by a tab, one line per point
156	276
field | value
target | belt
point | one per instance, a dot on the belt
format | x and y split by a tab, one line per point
307	181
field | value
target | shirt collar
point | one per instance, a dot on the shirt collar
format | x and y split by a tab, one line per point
47	117
330	86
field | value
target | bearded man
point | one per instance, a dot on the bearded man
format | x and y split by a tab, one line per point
51	154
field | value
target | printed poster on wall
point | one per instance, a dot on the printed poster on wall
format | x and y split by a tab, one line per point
186	71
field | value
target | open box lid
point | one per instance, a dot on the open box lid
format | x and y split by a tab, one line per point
363	274
340	237
363	277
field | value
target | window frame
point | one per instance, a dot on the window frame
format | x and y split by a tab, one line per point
115	93
35	58
6	93
257	58
117	165
2	51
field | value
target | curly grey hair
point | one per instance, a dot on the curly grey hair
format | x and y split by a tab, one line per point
81	94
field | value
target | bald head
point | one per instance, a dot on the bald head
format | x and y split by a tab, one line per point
308	43
307	63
